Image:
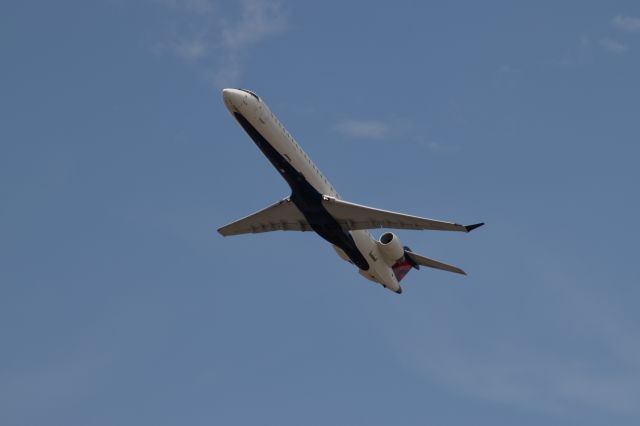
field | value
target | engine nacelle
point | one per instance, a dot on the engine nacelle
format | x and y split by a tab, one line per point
390	248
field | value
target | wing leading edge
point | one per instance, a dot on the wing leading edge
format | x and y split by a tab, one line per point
281	216
355	216
285	216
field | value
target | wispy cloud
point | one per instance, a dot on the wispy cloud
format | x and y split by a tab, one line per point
208	34
626	23
400	130
612	46
197	6
537	384
441	148
520	377
596	369
228	72
191	50
363	129
259	20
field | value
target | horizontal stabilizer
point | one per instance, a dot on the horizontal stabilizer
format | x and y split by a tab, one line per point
355	216
281	216
431	263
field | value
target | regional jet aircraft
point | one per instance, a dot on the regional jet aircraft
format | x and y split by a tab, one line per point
314	205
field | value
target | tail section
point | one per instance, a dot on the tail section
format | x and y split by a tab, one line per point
412	260
402	267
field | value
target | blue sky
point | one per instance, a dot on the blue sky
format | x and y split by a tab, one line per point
120	304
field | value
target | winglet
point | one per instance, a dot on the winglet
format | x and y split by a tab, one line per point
470	228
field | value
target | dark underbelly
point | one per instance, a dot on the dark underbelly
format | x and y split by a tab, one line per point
307	198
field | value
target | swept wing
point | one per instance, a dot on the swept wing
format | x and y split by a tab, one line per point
281	216
355	216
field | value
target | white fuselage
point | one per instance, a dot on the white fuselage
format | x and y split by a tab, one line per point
258	114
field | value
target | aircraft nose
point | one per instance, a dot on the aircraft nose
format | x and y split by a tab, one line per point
231	96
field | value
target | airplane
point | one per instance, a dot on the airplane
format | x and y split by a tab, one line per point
314	204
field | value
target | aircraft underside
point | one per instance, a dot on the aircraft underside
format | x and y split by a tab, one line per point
307	198
314	205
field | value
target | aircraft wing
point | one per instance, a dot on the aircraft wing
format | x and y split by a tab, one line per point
431	263
355	216
281	216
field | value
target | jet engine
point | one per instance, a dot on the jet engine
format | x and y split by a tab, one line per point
390	248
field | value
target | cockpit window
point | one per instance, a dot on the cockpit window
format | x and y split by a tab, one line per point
250	92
